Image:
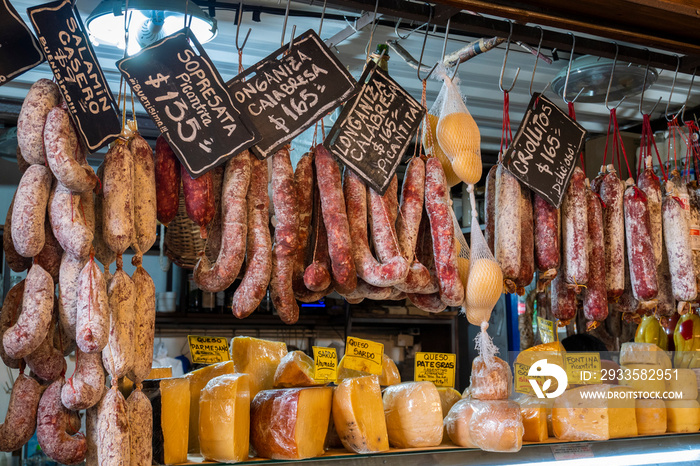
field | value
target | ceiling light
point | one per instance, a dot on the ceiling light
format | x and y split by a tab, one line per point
151	20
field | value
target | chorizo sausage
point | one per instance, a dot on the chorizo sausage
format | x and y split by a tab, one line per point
16	261
507	242
304	188
62	149
640	251
595	297
47	361
546	234
649	183
437	204
113	441
41	98
144	323
144	194
251	290
666	304
612	191
563	300
68	283
527	242
20	421
336	221
85	387
199	199
575	230
29	211
368	291
694	224
68	216
219	276
33	322
490	207
92	313
118	202
50	255
118	355
53	421
103	253
11	307
427	302
317	276
676	238
140	414
167	169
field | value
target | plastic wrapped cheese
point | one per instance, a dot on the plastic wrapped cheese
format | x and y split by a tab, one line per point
170	399
457	423
644	353
448	397
683	381
290	423
534	413
198	380
496	425
651	417
296	369
413	415
490	380
259	359
224	419
358	415
643	378
683	415
390	373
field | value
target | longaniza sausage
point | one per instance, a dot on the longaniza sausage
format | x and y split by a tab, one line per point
640	251
547	232
118	192
595	297
53	420
144	194
214	229
649	183
20	421
527	242
676	238
29	211
612	191
507	242
317	276
41	98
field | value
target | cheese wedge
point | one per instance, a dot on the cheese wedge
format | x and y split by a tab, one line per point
170	399
644	353
643	378
534	413
198	380
651	417
448	397
358	415
390	373
296	369
683	415
683	381
259	359
413	415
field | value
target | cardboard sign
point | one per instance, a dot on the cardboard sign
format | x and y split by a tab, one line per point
290	90
544	150
186	98
363	355
375	128
208	350
521	379
78	74
583	368
325	364
19	49
438	368
546	329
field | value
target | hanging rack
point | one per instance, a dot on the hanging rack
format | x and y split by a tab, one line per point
373	26
644	86
238	28
568	72
673	87
612	72
537	58
503	66
422	50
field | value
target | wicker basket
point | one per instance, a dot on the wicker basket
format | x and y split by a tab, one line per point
182	241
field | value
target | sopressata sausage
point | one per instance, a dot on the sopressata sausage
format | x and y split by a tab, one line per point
677	240
68	283
62	149
214	229
140	414
113	441
286	237
50	255
490	207
595	297
336	221
47	361
547	232
199	199
33	323
507	242
16	261
29	211
144	322
574	230
84	388
640	251
317	276
694	224
103	253
20	420
41	98
68	215
53	421
219	276
167	168
649	183
118	192
439	209
92	314
253	286
563	300
9	313
527	241
612	191
118	355
144	194
666	304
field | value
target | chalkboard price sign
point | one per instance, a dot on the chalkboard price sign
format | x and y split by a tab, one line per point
78	74
290	90
19	49
375	128
543	152
186	98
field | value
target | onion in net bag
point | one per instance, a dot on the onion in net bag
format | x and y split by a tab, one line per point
429	138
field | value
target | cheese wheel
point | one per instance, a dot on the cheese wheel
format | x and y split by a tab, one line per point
651	417
413	415
431	146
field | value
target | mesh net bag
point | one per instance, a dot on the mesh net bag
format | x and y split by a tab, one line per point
463	252
429	138
458	135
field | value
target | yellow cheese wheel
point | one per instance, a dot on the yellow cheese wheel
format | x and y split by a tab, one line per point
448	397
431	146
458	135
468	167
651	416
683	415
484	288
463	268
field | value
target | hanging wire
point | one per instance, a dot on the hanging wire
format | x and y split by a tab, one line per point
444	42
568	72
323	15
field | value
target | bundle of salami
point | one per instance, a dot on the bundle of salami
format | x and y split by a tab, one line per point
64	218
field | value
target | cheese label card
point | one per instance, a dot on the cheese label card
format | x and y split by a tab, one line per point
583	368
375	127
291	89
186	98
208	350
363	355
325	364
547	330
19	49
77	72
438	368
521	379
544	150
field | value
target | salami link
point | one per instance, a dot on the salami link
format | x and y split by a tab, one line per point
118	192
649	183
527	242
50	255
118	355
16	261
33	323
575	230
666	304
144	323
84	388
53	421
29	211
167	169
199	199
507	239
251	290
113	441
627	303
47	362
9	313
68	217
317	276
219	276
336	221
140	414
639	248
214	233
103	253
595	184
91	433
437	204
677	240
20	421
490	207
41	98
383	212
144	194
612	191
424	253
68	283
595	297
62	152
563	299
21	163
92	313
365	290
694	225
547	232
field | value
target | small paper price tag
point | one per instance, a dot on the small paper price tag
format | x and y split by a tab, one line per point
583	368
363	355
208	350
521	379
546	329
438	368
325	364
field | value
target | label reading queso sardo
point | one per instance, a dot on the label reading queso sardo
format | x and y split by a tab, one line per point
363	355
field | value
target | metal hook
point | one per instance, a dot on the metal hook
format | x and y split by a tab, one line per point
612	72
673	86
371	34
503	67
444	42
568	71
537	58
687	97
323	15
238	28
396	31
284	25
422	50
644	86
